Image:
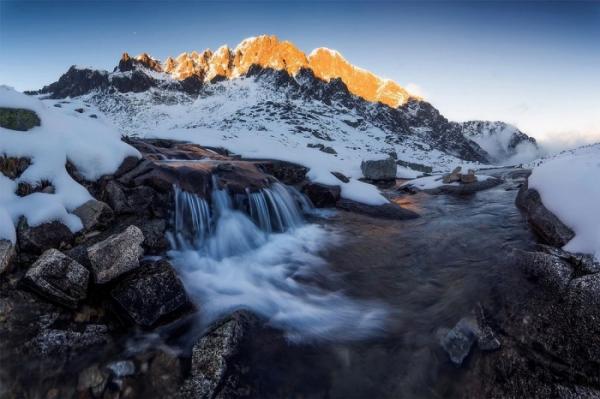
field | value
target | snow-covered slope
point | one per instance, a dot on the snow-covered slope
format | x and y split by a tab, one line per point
92	146
569	184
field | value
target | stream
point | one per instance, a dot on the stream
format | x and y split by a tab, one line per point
356	302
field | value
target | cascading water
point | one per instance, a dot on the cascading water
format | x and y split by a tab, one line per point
251	251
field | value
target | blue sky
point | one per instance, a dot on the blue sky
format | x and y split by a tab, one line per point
535	64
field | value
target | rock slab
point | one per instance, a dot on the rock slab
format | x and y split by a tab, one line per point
116	255
58	278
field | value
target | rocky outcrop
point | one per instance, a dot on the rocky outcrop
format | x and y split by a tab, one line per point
76	82
150	293
545	224
59	278
18	119
214	371
116	255
380	169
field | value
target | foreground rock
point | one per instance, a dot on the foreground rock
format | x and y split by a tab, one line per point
37	239
151	293
215	372
116	255
59	278
549	228
458	341
385	211
382	169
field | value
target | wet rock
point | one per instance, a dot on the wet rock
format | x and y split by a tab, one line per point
7	255
285	172
385	211
149	294
154	235
452	177
550	229
116	255
458	341
381	169
64	343
465	189
548	270
37	239
94	214
469	177
581	263
79	110
18	119
584	297
59	278
121	368
341	177
322	195
215	372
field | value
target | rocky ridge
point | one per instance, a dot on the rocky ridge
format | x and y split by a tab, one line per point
270	85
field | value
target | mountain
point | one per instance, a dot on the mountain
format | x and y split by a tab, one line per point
272	89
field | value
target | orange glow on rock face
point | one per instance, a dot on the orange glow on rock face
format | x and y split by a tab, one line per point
270	52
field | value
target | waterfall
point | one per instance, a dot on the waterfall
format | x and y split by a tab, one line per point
252	250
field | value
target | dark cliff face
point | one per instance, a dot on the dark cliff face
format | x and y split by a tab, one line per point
76	82
415	118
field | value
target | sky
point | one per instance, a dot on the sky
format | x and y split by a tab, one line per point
535	64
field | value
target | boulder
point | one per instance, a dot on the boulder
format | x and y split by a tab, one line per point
215	372
165	374
37	239
150	293
458	341
545	224
128	164
59	278
385	211
380	169
116	255
322	195
7	255
286	172
94	214
547	270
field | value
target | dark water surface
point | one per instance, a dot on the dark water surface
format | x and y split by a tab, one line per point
429	272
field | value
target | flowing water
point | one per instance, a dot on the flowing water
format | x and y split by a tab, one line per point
358	300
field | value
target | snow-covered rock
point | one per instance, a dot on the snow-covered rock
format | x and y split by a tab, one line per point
569	186
93	146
